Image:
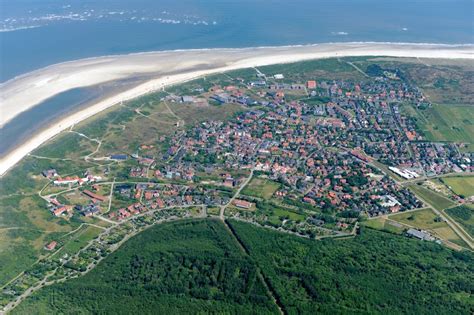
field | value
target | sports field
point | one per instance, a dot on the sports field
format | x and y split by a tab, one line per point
262	188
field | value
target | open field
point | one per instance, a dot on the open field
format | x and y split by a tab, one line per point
437	201
424	219
280	214
384	224
464	215
463	186
262	188
444	122
25	227
78	240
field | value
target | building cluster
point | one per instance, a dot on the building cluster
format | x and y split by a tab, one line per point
318	139
153	196
319	148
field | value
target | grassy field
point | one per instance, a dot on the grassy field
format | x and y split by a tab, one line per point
437	201
262	188
25	227
280	214
79	240
383	224
424	219
68	145
464	215
444	122
462	186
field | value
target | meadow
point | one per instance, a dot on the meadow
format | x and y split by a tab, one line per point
437	201
441	122
464	215
462	186
261	188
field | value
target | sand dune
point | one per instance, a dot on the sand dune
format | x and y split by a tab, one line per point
171	67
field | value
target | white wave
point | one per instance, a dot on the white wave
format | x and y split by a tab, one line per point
340	33
18	28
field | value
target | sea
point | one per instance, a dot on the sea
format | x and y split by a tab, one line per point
38	33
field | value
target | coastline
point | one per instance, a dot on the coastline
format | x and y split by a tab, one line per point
169	68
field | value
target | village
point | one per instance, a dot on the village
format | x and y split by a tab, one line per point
313	158
332	151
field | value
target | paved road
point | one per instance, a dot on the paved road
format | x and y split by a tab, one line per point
221	214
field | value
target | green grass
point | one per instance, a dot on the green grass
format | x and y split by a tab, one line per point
283	213
383	224
464	215
444	122
262	188
377	224
67	145
426	219
79	240
25	227
437	201
460	185
423	219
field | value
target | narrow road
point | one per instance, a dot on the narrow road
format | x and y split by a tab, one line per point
221	214
260	276
358	69
458	230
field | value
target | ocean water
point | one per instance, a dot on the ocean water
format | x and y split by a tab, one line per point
38	33
35	34
33	120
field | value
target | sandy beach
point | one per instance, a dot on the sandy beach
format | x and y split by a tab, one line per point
168	68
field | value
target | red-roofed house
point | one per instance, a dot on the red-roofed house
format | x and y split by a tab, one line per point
51	245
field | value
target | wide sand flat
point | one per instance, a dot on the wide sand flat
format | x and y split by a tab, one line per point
171	67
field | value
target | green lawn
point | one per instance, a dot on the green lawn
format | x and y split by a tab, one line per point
424	219
444	122
437	201
383	224
460	185
79	240
262	188
283	213
464	215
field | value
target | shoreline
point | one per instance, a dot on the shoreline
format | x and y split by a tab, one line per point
170	68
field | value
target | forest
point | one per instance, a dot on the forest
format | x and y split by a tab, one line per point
374	272
197	266
177	268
